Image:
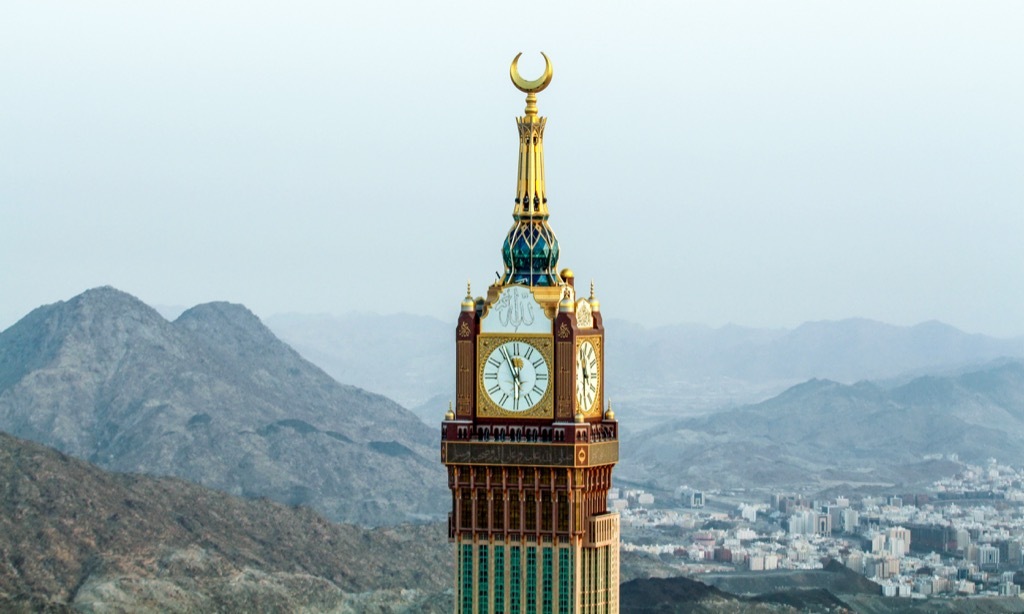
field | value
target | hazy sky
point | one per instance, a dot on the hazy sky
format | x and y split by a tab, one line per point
762	163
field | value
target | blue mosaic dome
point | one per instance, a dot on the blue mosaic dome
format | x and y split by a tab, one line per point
530	254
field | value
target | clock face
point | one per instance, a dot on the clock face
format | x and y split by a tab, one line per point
588	376
515	376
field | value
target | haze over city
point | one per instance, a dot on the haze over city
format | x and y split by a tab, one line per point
713	163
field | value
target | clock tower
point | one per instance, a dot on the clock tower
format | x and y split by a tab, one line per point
528	446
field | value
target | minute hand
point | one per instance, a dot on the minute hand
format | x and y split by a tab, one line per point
512	368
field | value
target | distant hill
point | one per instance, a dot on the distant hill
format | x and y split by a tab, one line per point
844	350
653	374
833	589
673	371
75	537
823	432
685	595
406	357
217	399
833	577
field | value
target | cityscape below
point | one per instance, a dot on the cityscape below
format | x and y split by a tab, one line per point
963	536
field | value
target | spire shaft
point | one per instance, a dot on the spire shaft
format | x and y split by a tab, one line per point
531	195
530	251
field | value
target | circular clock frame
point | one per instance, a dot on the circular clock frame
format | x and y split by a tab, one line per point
514	377
588	374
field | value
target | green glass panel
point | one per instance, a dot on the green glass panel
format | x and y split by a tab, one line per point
531	579
481	581
466	563
515	579
564	580
499	580
547	584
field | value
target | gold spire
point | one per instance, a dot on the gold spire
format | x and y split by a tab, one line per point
531	196
530	251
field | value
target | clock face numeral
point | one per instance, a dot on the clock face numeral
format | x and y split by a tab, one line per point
588	376
516	376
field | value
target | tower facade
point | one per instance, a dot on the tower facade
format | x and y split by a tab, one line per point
528	445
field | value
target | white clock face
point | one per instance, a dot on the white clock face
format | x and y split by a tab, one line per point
515	376
588	376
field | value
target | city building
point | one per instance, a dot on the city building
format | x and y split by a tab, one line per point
988	557
850	520
692	498
898	541
808	522
528	445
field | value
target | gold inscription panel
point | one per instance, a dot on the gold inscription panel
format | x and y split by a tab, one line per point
530	454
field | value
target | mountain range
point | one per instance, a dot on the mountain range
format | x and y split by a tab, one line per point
653	374
844	350
215	398
821	433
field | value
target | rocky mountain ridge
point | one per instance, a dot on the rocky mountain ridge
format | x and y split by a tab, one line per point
823	432
74	537
215	398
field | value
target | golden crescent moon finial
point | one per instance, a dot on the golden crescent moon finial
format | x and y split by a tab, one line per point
531	87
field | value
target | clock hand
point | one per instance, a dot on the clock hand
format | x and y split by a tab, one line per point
515	372
508	360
